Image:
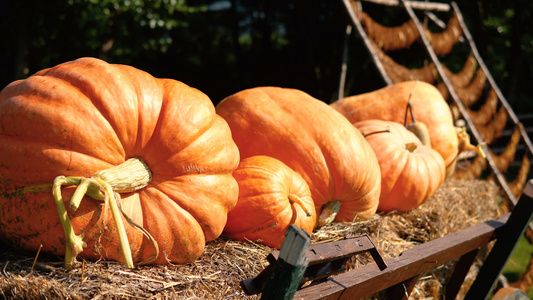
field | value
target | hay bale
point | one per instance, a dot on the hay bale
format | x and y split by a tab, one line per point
457	204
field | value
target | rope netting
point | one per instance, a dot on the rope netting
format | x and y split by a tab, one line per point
478	97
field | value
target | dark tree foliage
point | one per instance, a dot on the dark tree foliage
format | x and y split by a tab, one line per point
224	46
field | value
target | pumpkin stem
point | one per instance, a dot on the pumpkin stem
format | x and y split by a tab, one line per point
421	131
329	212
465	144
144	231
104	185
409	107
121	231
294	199
74	243
411	147
365	134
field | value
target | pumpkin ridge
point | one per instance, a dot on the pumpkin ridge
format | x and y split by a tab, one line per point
400	160
192	201
268	224
266	170
46	107
209	125
206	162
187	228
430	163
88	86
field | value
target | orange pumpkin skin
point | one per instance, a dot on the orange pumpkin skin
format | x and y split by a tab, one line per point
410	171
312	139
271	197
389	104
86	115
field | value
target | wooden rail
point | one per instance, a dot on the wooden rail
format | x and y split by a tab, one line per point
369	279
399	275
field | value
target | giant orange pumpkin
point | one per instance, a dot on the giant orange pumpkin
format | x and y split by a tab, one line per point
271	197
410	171
390	103
312	139
158	142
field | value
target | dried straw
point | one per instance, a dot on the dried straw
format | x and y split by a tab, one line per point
217	274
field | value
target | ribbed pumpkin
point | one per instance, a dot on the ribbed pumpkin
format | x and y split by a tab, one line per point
390	103
312	139
87	116
271	197
410	171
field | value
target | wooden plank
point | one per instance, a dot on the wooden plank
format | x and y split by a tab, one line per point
504	246
369	279
403	289
459	274
347	247
324	260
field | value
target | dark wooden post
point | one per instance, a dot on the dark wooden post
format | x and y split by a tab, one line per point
506	241
290	266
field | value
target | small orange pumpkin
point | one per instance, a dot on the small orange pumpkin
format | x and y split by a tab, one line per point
410	171
390	103
271	197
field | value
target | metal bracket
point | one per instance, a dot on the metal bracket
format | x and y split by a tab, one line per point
325	260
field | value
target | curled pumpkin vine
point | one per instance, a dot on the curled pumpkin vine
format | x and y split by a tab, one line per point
105	185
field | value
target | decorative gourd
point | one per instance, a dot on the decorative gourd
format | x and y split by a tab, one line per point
158	142
410	171
389	104
271	197
312	139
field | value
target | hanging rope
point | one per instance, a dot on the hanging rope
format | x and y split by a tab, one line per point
444	41
399	73
494	128
504	159
390	38
465	75
485	113
517	185
469	94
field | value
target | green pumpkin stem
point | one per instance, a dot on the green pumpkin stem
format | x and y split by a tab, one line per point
74	243
121	231
409	107
419	129
129	176
329	213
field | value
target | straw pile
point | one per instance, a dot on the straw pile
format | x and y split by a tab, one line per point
457	205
